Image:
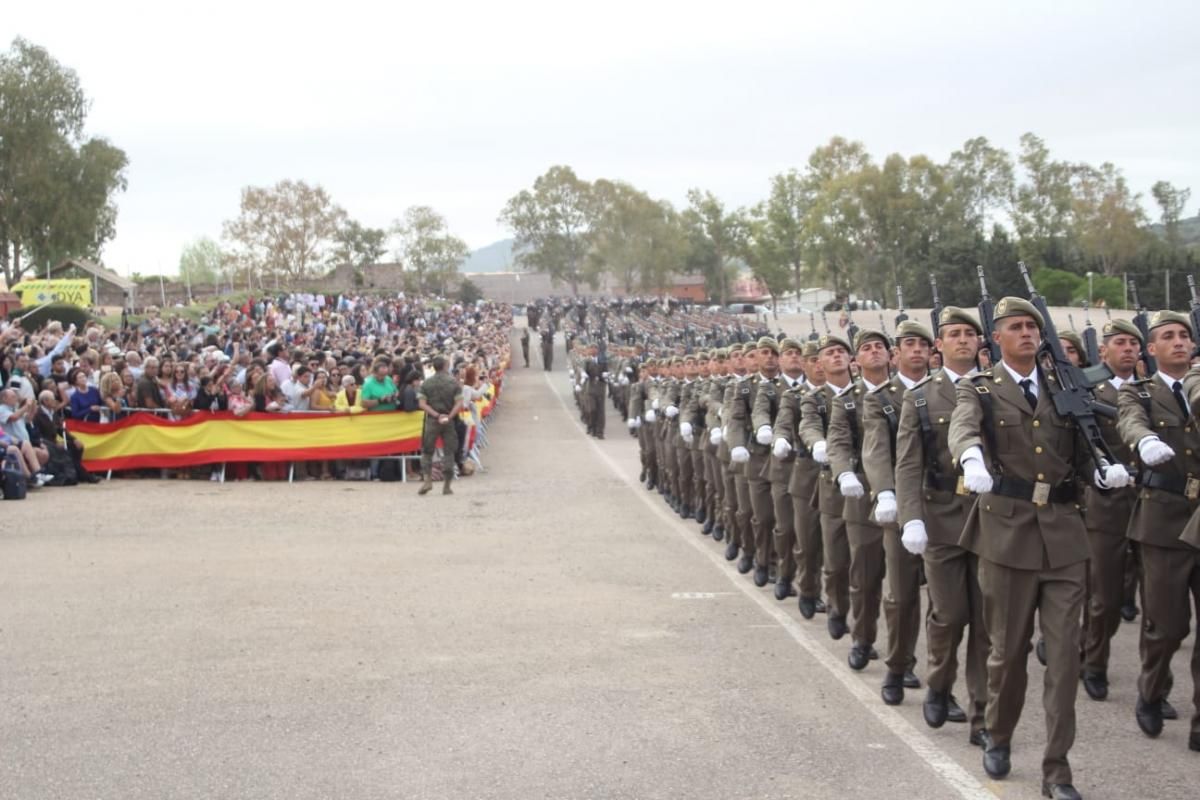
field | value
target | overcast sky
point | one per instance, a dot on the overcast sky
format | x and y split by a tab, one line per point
460	105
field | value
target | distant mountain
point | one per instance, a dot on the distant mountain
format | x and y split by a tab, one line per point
496	257
1189	231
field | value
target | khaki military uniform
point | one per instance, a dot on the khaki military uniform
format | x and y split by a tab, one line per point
902	600
732	520
815	410
639	404
714	478
1161	524
737	402
693	411
441	393
1032	556
743	426
926	490
802	490
778	473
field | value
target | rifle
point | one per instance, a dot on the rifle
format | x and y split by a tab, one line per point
1195	308
1142	321
883	323
851	328
1071	389
824	321
935	315
987	319
900	304
812	320
1091	342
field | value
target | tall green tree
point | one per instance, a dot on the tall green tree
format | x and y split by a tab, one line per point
428	248
1042	202
57	186
714	235
636	239
786	211
835	219
553	226
359	245
760	247
201	262
285	233
1108	218
1171	202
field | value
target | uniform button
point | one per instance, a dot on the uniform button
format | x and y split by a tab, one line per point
1041	476
1038	449
1037	423
989	508
1001	423
928	497
941	419
1187	452
1161	423
1187	428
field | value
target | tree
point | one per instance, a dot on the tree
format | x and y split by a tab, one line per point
757	245
428	248
834	222
1108	218
359	245
786	211
1171	202
635	238
553	227
981	179
713	240
56	185
201	262
1042	204
469	292
287	231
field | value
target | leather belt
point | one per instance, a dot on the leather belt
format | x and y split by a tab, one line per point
941	483
1065	492
1184	487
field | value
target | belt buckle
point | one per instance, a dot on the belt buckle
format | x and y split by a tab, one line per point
1191	489
1041	493
960	488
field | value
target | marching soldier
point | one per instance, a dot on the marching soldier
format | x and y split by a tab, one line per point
779	464
1157	421
525	345
641	422
691	431
684	444
548	348
834	354
881	423
596	384
755	432
1021	457
931	516
735	535
1106	515
738	396
714	466
844	443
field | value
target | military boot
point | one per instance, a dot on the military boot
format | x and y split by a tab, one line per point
446	486
427	486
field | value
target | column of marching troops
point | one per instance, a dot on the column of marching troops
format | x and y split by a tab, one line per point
850	493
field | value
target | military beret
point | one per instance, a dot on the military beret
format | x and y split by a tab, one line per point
769	343
689	357
910	327
1077	340
1015	307
811	348
953	315
721	353
867	334
832	340
675	360
1114	327
789	343
703	355
1164	317
736	347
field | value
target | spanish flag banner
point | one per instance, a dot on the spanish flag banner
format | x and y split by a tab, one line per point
144	440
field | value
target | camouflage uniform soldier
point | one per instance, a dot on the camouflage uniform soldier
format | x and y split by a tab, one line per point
440	398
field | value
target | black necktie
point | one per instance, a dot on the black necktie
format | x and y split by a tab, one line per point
1177	390
1028	392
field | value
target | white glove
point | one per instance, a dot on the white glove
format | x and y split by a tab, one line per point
629	370
604	375
624	381
685	430
914	537
976	478
715	436
849	485
577	388
1154	452
672	412
782	448
739	455
634	422
651	416
764	435
654	404
818	453
885	507
1115	476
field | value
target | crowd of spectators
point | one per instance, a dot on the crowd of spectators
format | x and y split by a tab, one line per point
291	353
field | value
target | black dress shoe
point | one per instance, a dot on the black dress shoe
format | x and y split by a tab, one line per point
745	563
686	512
996	759
872	653
781	590
1040	651
858	657
760	576
893	688
707	528
820	606
977	738
808	607
1095	684
650	487
1194	741
1149	717
1060	791
911	681
642	476
936	708
954	712
837	627
701	515
731	551
1168	710
718	532
1129	612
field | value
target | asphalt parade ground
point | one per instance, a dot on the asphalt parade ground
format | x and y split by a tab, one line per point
552	630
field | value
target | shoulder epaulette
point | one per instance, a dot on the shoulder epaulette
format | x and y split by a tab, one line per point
924	380
978	375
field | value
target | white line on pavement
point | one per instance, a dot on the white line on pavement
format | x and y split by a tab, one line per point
945	767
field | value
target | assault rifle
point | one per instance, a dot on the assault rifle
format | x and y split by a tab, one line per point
987	320
1070	386
1091	342
851	328
1142	321
812	320
900	304
1195	308
935	315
